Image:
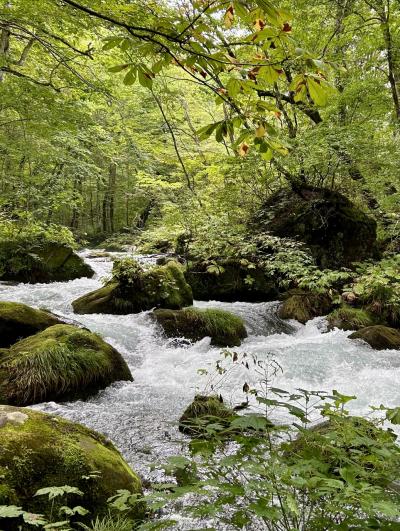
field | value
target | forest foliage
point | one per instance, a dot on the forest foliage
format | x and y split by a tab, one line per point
181	117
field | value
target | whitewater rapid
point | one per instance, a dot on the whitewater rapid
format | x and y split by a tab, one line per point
140	417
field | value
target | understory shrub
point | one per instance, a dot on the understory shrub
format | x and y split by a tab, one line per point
378	288
324	469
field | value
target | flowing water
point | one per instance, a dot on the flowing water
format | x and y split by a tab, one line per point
140	417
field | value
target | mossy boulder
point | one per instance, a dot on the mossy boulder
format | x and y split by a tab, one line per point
135	290
49	262
337	232
204	415
304	305
379	337
224	328
349	318
62	362
18	321
230	280
39	450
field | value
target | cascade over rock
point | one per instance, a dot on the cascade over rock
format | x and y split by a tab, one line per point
379	337
224	328
303	305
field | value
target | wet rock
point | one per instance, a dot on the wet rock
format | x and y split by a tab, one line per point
50	262
135	290
62	362
349	318
224	328
230	280
303	306
39	450
18	321
204	412
337	232
379	337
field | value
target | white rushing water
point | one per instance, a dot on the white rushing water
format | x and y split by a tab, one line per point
141	417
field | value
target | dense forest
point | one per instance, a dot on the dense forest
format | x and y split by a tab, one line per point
199	264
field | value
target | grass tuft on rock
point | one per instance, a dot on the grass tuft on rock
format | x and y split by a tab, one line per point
349	318
62	362
203	414
224	328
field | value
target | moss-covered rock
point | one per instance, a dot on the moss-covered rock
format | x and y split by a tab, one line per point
39	450
140	290
62	362
230	280
303	306
379	337
349	318
205	413
224	328
18	321
49	262
337	232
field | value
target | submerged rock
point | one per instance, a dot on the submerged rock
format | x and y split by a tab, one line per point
204	413
349	318
39	450
379	337
337	232
224	328
50	262
18	321
230	280
134	290
303	306
62	362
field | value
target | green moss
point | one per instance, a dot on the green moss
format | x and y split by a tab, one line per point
63	361
39	450
349	318
203	412
134	289
303	306
18	321
224	328
379	337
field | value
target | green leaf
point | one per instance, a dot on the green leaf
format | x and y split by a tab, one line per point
317	92
119	68
130	77
54	492
10	511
